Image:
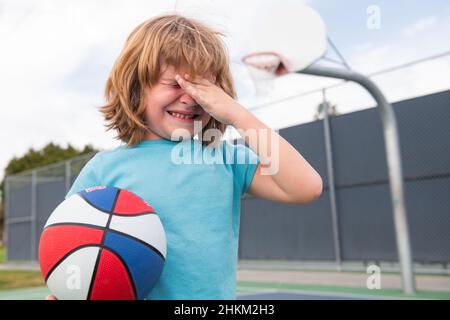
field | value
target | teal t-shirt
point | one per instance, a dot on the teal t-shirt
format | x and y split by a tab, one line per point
196	191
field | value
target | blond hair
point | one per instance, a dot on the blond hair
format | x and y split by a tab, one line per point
168	39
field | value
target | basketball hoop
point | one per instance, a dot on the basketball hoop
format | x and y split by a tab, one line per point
279	39
263	68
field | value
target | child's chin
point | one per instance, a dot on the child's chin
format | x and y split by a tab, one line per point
179	134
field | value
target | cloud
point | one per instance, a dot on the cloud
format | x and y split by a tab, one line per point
367	57
56	56
419	26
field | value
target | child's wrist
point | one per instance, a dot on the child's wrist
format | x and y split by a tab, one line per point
239	116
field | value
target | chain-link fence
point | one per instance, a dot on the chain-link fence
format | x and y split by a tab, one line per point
356	224
30	197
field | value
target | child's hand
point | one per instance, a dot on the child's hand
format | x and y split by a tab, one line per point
51	297
211	98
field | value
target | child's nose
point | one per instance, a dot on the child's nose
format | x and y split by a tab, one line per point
187	100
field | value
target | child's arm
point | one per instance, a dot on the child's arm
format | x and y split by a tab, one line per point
293	180
282	175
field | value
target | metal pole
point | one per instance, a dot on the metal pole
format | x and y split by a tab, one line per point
394	164
6	217
33	216
68	174
330	170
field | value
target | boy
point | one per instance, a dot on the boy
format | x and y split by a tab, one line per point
172	82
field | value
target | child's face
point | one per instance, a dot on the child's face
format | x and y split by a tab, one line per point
165	102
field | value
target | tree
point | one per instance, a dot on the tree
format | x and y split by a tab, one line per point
332	110
51	153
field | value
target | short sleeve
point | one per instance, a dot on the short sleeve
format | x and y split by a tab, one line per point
88	177
244	166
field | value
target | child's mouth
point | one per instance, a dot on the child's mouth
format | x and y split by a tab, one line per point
186	118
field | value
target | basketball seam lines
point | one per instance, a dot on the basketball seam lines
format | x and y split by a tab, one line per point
133	286
152	248
59	224
101	246
126	269
67	255
97	262
112	212
111	230
94	245
93	205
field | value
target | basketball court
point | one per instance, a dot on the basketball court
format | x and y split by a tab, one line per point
245	294
269	52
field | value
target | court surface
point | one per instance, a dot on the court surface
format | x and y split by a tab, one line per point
275	291
41	292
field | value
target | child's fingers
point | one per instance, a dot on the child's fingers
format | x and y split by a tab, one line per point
186	85
198	80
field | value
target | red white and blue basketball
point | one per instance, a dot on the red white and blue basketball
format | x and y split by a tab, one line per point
103	243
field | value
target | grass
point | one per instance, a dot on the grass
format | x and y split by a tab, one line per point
2	254
15	279
10	279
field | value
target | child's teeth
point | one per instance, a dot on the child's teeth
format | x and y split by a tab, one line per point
181	116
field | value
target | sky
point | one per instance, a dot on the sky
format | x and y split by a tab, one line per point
55	57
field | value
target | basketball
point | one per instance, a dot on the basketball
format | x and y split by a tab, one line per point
102	243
